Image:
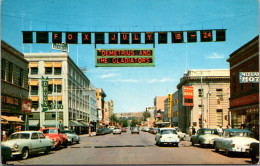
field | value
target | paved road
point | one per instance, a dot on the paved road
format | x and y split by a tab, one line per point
130	148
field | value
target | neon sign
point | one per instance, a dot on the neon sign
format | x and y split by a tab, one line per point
124	57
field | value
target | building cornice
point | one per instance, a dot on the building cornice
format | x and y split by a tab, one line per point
13	51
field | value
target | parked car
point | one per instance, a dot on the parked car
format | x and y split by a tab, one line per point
167	136
101	131
154	130
117	131
6	154
71	136
204	137
150	130
146	129
254	152
55	134
135	130
180	133
123	129
28	142
234	140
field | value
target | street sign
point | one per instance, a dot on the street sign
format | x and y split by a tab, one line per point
60	46
45	83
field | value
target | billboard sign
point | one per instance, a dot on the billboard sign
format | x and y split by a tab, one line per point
249	77
169	105
187	92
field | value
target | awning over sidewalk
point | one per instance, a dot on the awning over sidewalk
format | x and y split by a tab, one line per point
85	123
11	119
34	123
75	123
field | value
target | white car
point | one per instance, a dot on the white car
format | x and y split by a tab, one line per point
204	137
71	136
234	140
117	131
180	133
28	142
167	136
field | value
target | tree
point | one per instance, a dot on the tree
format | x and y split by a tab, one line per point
113	118
123	122
133	122
146	114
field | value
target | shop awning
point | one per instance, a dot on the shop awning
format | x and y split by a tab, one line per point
11	119
72	124
58	82
35	98
76	123
57	64
34	82
49	123
85	123
34	64
48	65
34	123
3	121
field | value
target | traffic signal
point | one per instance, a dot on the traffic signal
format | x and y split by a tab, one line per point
113	38
177	37
162	37
42	37
124	38
56	37
220	35
136	38
206	36
27	37
149	38
100	38
72	37
192	36
86	38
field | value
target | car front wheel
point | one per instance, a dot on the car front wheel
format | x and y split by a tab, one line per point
25	153
48	149
215	146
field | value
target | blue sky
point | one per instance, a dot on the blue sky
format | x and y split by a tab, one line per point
134	88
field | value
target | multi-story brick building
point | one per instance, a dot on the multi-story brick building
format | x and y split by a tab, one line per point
244	100
15	105
159	104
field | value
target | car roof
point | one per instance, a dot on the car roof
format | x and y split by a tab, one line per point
207	129
27	132
167	128
238	130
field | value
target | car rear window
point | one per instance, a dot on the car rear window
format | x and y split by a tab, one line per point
50	131
19	136
168	132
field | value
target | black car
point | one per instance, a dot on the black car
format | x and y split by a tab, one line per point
6	154
101	131
254	152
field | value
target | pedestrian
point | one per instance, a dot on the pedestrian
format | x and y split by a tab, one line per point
4	135
193	130
228	126
242	126
220	130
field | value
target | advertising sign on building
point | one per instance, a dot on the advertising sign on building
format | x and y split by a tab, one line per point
45	84
249	77
169	105
187	92
26	106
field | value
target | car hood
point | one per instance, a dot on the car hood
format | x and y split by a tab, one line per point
209	136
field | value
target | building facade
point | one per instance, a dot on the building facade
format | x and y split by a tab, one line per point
100	103
244	100
15	105
159	104
66	87
106	112
210	99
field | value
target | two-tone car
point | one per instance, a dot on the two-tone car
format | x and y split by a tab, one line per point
180	133
167	136
55	134
204	136
234	140
28	142
71	136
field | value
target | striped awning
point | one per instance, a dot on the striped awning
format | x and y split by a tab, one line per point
11	119
85	123
76	123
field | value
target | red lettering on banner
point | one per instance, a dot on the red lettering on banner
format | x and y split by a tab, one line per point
135	38
124	36
149	36
114	38
177	36
55	36
86	37
70	36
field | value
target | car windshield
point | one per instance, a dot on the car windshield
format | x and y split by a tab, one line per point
168	132
210	132
240	134
66	131
50	131
19	136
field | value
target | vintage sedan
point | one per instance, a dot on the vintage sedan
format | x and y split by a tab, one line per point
135	130
234	140
28	142
117	131
180	133
101	131
204	137
71	136
254	152
167	136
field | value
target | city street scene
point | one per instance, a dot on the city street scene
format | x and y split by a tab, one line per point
129	82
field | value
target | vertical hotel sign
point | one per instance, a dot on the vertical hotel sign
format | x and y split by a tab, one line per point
169	105
187	92
45	83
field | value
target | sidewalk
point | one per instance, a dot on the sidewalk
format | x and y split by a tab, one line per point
87	135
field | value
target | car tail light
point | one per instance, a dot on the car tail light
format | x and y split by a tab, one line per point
233	145
178	136
160	136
